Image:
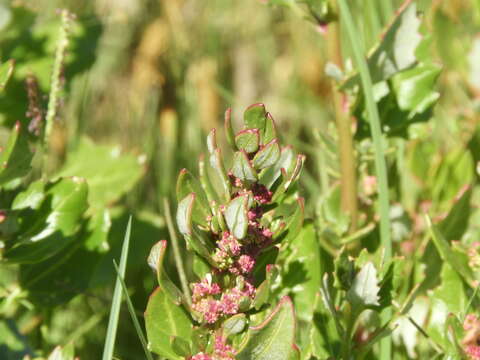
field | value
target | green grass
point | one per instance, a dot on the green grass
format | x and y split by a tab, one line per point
117	298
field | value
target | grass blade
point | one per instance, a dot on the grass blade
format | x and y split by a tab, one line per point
131	310
380	163
117	299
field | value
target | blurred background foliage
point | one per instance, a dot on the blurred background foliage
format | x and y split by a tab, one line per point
152	77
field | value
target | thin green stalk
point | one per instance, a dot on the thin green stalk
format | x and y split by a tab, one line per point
387	10
374	22
348	179
131	310
176	251
117	299
55	83
380	163
376	132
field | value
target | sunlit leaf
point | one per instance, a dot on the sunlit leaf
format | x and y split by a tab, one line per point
272	339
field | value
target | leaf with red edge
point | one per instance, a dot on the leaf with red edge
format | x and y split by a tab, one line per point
248	140
242	168
184	214
155	260
267	156
255	117
187	184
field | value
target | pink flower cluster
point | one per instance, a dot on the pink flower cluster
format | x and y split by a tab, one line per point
472	336
473	351
222	351
211	308
201	356
261	193
474	255
211	301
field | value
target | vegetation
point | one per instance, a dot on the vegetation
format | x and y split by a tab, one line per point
346	228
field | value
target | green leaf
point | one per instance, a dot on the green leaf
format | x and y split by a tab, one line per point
236	216
62	353
57	280
200	267
255	117
32	197
328	304
155	261
216	162
344	271
270	129
228	127
294	175
414	88
272	339
205	181
448	298
451	290
286	161
234	324
164	319
6	71
187	184
330	214
184	214
396	50
304	271
456	223
242	168
180	346
248	140
323	330
267	156
50	229
294	353
263	291
458	263
294	223
109	173
201	244
15	157
365	289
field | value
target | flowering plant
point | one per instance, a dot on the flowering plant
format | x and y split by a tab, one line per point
235	235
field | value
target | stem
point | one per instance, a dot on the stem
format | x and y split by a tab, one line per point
56	74
176	251
351	320
55	86
348	180
374	24
387	9
380	163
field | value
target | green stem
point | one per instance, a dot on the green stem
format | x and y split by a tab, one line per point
387	9
351	320
55	85
56	73
372	110
176	251
348	179
380	163
374	22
